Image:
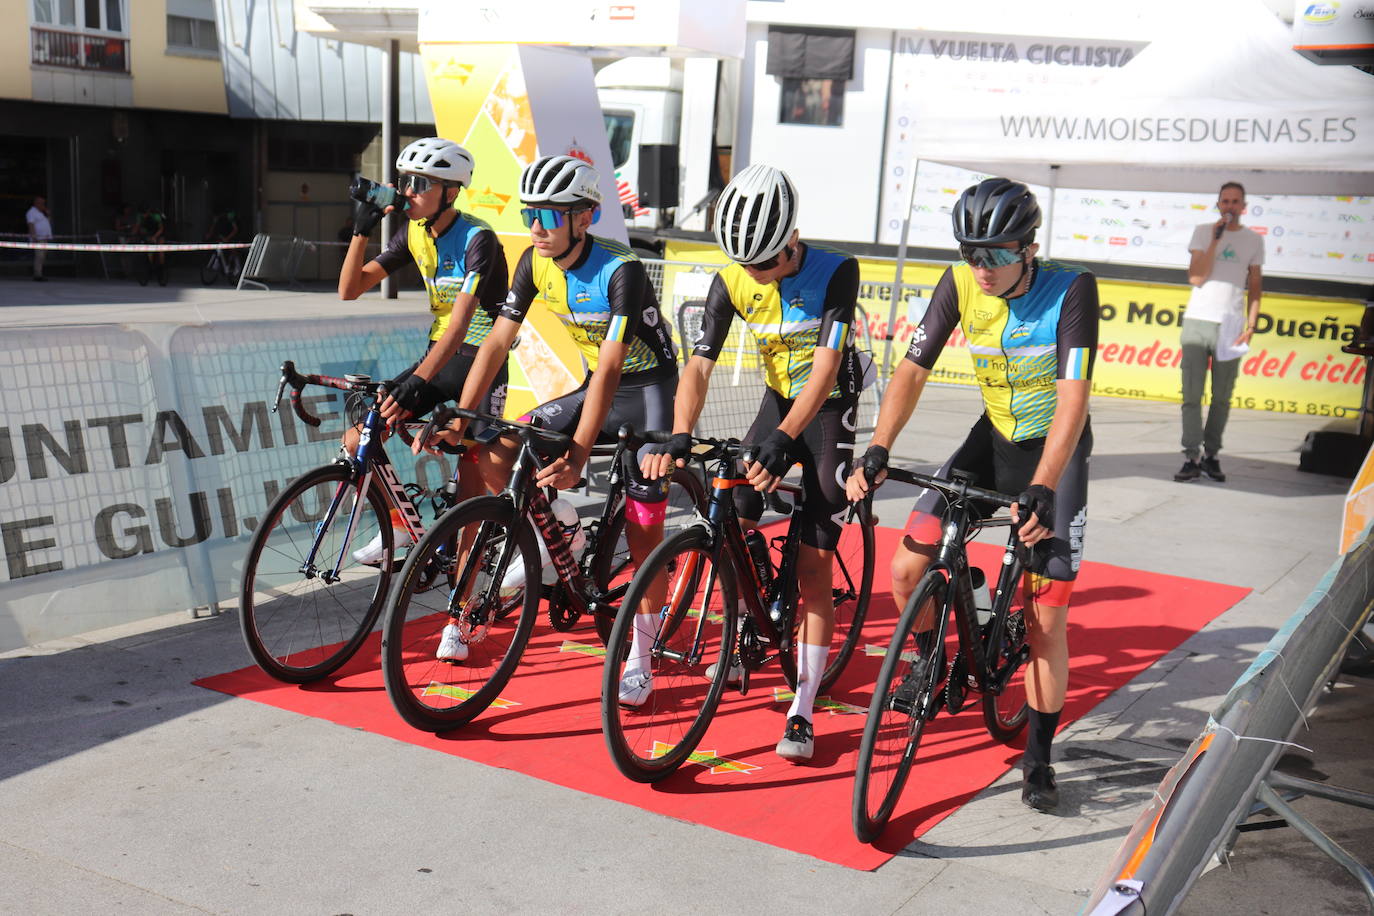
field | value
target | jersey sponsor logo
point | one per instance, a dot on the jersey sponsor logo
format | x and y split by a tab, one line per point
651	317
919	333
1020	331
982	314
550	410
449	265
582	297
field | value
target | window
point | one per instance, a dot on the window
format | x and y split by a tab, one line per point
808	101
80	35
812	66
619	128
185	33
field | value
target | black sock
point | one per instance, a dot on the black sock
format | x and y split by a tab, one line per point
1039	734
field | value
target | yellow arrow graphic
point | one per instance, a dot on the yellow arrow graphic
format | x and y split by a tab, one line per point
461	693
710	760
835	707
581	647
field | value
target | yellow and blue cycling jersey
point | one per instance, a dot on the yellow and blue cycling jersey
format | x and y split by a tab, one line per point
605	296
1020	347
791	318
465	258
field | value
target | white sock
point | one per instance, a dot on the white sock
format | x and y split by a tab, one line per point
642	643
810	669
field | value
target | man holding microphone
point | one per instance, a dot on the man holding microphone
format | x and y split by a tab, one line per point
1222	310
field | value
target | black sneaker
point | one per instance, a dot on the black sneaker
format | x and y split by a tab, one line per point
1191	470
797	741
1038	789
1212	468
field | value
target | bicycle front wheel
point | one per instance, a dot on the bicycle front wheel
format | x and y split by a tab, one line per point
694	630
1005	712
300	620
904	699
492	600
611	567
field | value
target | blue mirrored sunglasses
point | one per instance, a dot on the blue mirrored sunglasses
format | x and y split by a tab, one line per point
990	257
548	217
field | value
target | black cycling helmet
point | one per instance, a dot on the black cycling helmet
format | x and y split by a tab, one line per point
995	211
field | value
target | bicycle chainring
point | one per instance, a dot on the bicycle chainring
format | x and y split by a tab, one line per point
749	647
956	683
562	615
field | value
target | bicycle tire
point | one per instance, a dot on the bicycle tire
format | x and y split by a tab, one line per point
651	741
309	627
1005	713
852	589
434	695
903	701
211	271
612	560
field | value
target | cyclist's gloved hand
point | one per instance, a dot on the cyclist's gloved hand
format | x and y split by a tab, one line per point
775	453
874	462
1040	500
407	391
679	446
365	217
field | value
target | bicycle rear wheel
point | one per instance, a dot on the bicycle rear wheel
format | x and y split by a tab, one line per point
695	630
1005	713
494	602
612	565
904	699
299	622
211	271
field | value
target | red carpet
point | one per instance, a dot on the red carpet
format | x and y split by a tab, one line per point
547	723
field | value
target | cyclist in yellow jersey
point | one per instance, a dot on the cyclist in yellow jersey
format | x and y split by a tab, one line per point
601	293
798	301
464	270
1032	334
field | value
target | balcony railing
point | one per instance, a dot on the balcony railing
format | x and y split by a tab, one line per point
80	51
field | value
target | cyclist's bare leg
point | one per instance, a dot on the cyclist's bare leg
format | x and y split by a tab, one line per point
910	561
1047	671
495	463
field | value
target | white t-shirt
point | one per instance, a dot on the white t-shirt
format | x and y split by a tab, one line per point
1224	292
42	226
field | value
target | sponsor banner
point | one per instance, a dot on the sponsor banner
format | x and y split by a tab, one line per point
136	462
508	105
1294	365
78	246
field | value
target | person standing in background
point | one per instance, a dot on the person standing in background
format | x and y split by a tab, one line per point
40	230
1222	310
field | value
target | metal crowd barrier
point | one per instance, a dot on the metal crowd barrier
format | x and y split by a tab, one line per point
274	258
1227	774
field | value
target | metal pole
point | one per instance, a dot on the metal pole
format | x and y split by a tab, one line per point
391	105
1049	212
901	262
1319	839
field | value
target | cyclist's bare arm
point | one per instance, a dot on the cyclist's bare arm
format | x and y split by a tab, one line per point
610	361
357	277
1070	416
899	402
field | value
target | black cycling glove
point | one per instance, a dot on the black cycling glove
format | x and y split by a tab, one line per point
874	462
1040	500
365	217
407	392
775	453
679	446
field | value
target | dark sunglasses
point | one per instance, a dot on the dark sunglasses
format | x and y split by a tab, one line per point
989	258
417	183
771	262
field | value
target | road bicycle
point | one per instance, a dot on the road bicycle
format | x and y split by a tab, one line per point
725	608
494	585
307	602
221	265
927	668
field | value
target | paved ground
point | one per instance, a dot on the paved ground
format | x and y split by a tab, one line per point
126	789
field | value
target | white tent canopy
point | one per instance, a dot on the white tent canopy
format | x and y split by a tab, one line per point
1222	98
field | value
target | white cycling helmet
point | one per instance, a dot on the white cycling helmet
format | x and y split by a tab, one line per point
560	180
756	214
435	157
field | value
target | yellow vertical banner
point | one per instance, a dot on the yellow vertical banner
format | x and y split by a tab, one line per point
509	104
